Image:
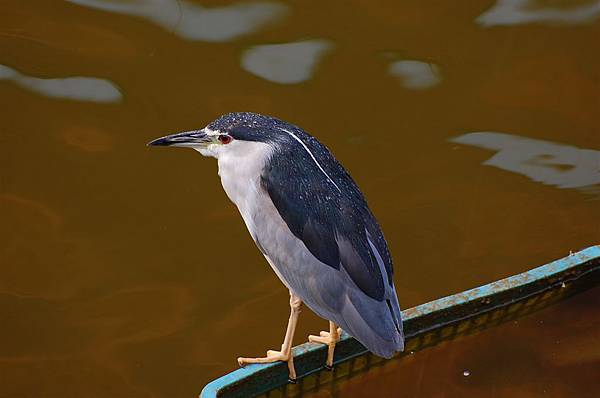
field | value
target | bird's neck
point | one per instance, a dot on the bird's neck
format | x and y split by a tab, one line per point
240	168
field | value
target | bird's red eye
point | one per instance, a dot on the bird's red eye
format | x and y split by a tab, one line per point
224	139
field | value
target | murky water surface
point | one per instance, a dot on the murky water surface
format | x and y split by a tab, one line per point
552	353
473	130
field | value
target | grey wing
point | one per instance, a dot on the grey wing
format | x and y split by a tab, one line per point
355	287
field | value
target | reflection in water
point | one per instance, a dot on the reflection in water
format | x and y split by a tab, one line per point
563	166
415	75
194	22
74	88
287	63
107	284
515	12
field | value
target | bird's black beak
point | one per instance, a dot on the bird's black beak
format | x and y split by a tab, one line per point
195	138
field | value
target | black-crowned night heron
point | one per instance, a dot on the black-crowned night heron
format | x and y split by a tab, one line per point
312	224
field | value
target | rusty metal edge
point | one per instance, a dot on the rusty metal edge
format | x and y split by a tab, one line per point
309	358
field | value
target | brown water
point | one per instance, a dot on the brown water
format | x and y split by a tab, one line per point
552	353
126	272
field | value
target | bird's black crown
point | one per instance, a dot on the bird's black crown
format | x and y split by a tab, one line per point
248	126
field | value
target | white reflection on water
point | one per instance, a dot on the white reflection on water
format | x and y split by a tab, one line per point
287	63
193	21
415	75
515	12
74	88
563	166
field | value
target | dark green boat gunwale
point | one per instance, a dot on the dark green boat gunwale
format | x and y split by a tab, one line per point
309	358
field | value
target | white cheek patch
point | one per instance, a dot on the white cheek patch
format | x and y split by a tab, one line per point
209	151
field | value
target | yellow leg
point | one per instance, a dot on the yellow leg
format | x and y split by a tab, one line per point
330	339
286	348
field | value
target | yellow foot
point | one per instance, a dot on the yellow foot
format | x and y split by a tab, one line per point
273	356
330	340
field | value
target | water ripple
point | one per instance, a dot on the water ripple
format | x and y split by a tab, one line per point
195	22
516	12
287	63
560	165
74	88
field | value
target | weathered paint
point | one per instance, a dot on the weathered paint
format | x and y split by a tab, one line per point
309	358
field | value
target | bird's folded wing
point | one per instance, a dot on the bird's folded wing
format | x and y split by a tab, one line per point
337	231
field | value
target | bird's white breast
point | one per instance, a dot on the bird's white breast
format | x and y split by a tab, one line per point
240	169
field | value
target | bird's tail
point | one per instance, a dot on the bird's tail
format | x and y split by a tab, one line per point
375	324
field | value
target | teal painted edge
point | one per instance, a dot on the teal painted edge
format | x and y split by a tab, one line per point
545	271
412	315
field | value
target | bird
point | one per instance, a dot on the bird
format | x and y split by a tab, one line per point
312	223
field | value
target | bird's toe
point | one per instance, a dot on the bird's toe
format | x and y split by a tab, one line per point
324	338
277	355
318	339
272	356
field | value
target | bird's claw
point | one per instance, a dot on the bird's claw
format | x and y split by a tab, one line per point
330	340
325	338
272	356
